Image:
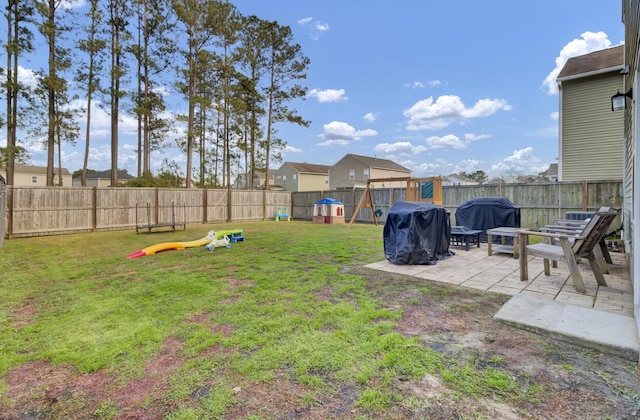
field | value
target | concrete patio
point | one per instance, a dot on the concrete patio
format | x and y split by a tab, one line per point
602	318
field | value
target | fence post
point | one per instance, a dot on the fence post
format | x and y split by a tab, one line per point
94	210
205	204
585	196
156	207
229	203
3	193
10	196
264	205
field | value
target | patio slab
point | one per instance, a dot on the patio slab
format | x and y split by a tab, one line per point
547	304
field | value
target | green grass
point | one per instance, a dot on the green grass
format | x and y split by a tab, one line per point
281	303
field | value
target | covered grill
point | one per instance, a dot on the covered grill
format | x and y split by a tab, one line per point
416	233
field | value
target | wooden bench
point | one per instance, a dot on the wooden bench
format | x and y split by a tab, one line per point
282	213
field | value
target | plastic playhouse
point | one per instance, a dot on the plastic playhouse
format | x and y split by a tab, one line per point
328	211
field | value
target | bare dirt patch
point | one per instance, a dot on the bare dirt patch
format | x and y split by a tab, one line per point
575	382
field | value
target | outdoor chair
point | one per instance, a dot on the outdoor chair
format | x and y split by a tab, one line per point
575	228
569	246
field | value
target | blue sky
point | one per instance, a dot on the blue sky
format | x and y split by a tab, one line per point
437	86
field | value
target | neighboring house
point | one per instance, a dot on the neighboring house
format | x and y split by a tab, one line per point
455	179
353	171
297	177
552	172
590	146
36	176
629	137
258	180
102	179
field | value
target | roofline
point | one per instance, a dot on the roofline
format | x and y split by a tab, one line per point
590	73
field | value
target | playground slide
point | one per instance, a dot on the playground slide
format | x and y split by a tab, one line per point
169	246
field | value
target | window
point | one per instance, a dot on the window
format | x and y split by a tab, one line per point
365	174
391	174
352	174
284	179
295	176
326	179
34	179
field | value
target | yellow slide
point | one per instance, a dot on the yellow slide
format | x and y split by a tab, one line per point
169	246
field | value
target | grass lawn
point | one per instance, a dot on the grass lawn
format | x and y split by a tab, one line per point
285	324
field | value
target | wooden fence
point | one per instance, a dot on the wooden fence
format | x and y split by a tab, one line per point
540	203
35	211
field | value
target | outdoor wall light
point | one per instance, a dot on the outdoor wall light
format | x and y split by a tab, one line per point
619	100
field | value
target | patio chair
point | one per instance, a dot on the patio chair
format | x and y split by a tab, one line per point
575	228
568	247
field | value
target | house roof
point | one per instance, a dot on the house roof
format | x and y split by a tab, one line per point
602	61
309	168
122	176
28	169
553	170
378	163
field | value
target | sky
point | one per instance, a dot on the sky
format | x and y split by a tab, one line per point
439	87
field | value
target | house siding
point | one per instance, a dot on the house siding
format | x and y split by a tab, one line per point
631	211
313	182
339	173
591	143
286	171
23	176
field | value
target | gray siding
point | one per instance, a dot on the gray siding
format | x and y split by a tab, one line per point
286	171
592	146
339	173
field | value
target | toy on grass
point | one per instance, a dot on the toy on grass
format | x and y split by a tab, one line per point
168	246
217	243
235	235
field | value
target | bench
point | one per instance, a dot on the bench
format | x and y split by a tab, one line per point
282	213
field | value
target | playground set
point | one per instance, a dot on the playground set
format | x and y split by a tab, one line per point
423	190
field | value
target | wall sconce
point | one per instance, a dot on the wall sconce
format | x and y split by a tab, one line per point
619	100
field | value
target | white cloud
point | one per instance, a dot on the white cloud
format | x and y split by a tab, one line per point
448	142
475	137
337	130
403	148
370	116
336	142
447	109
72	4
555	115
328	95
434	83
291	149
467	165
317	27
589	42
416	84
439	167
520	162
